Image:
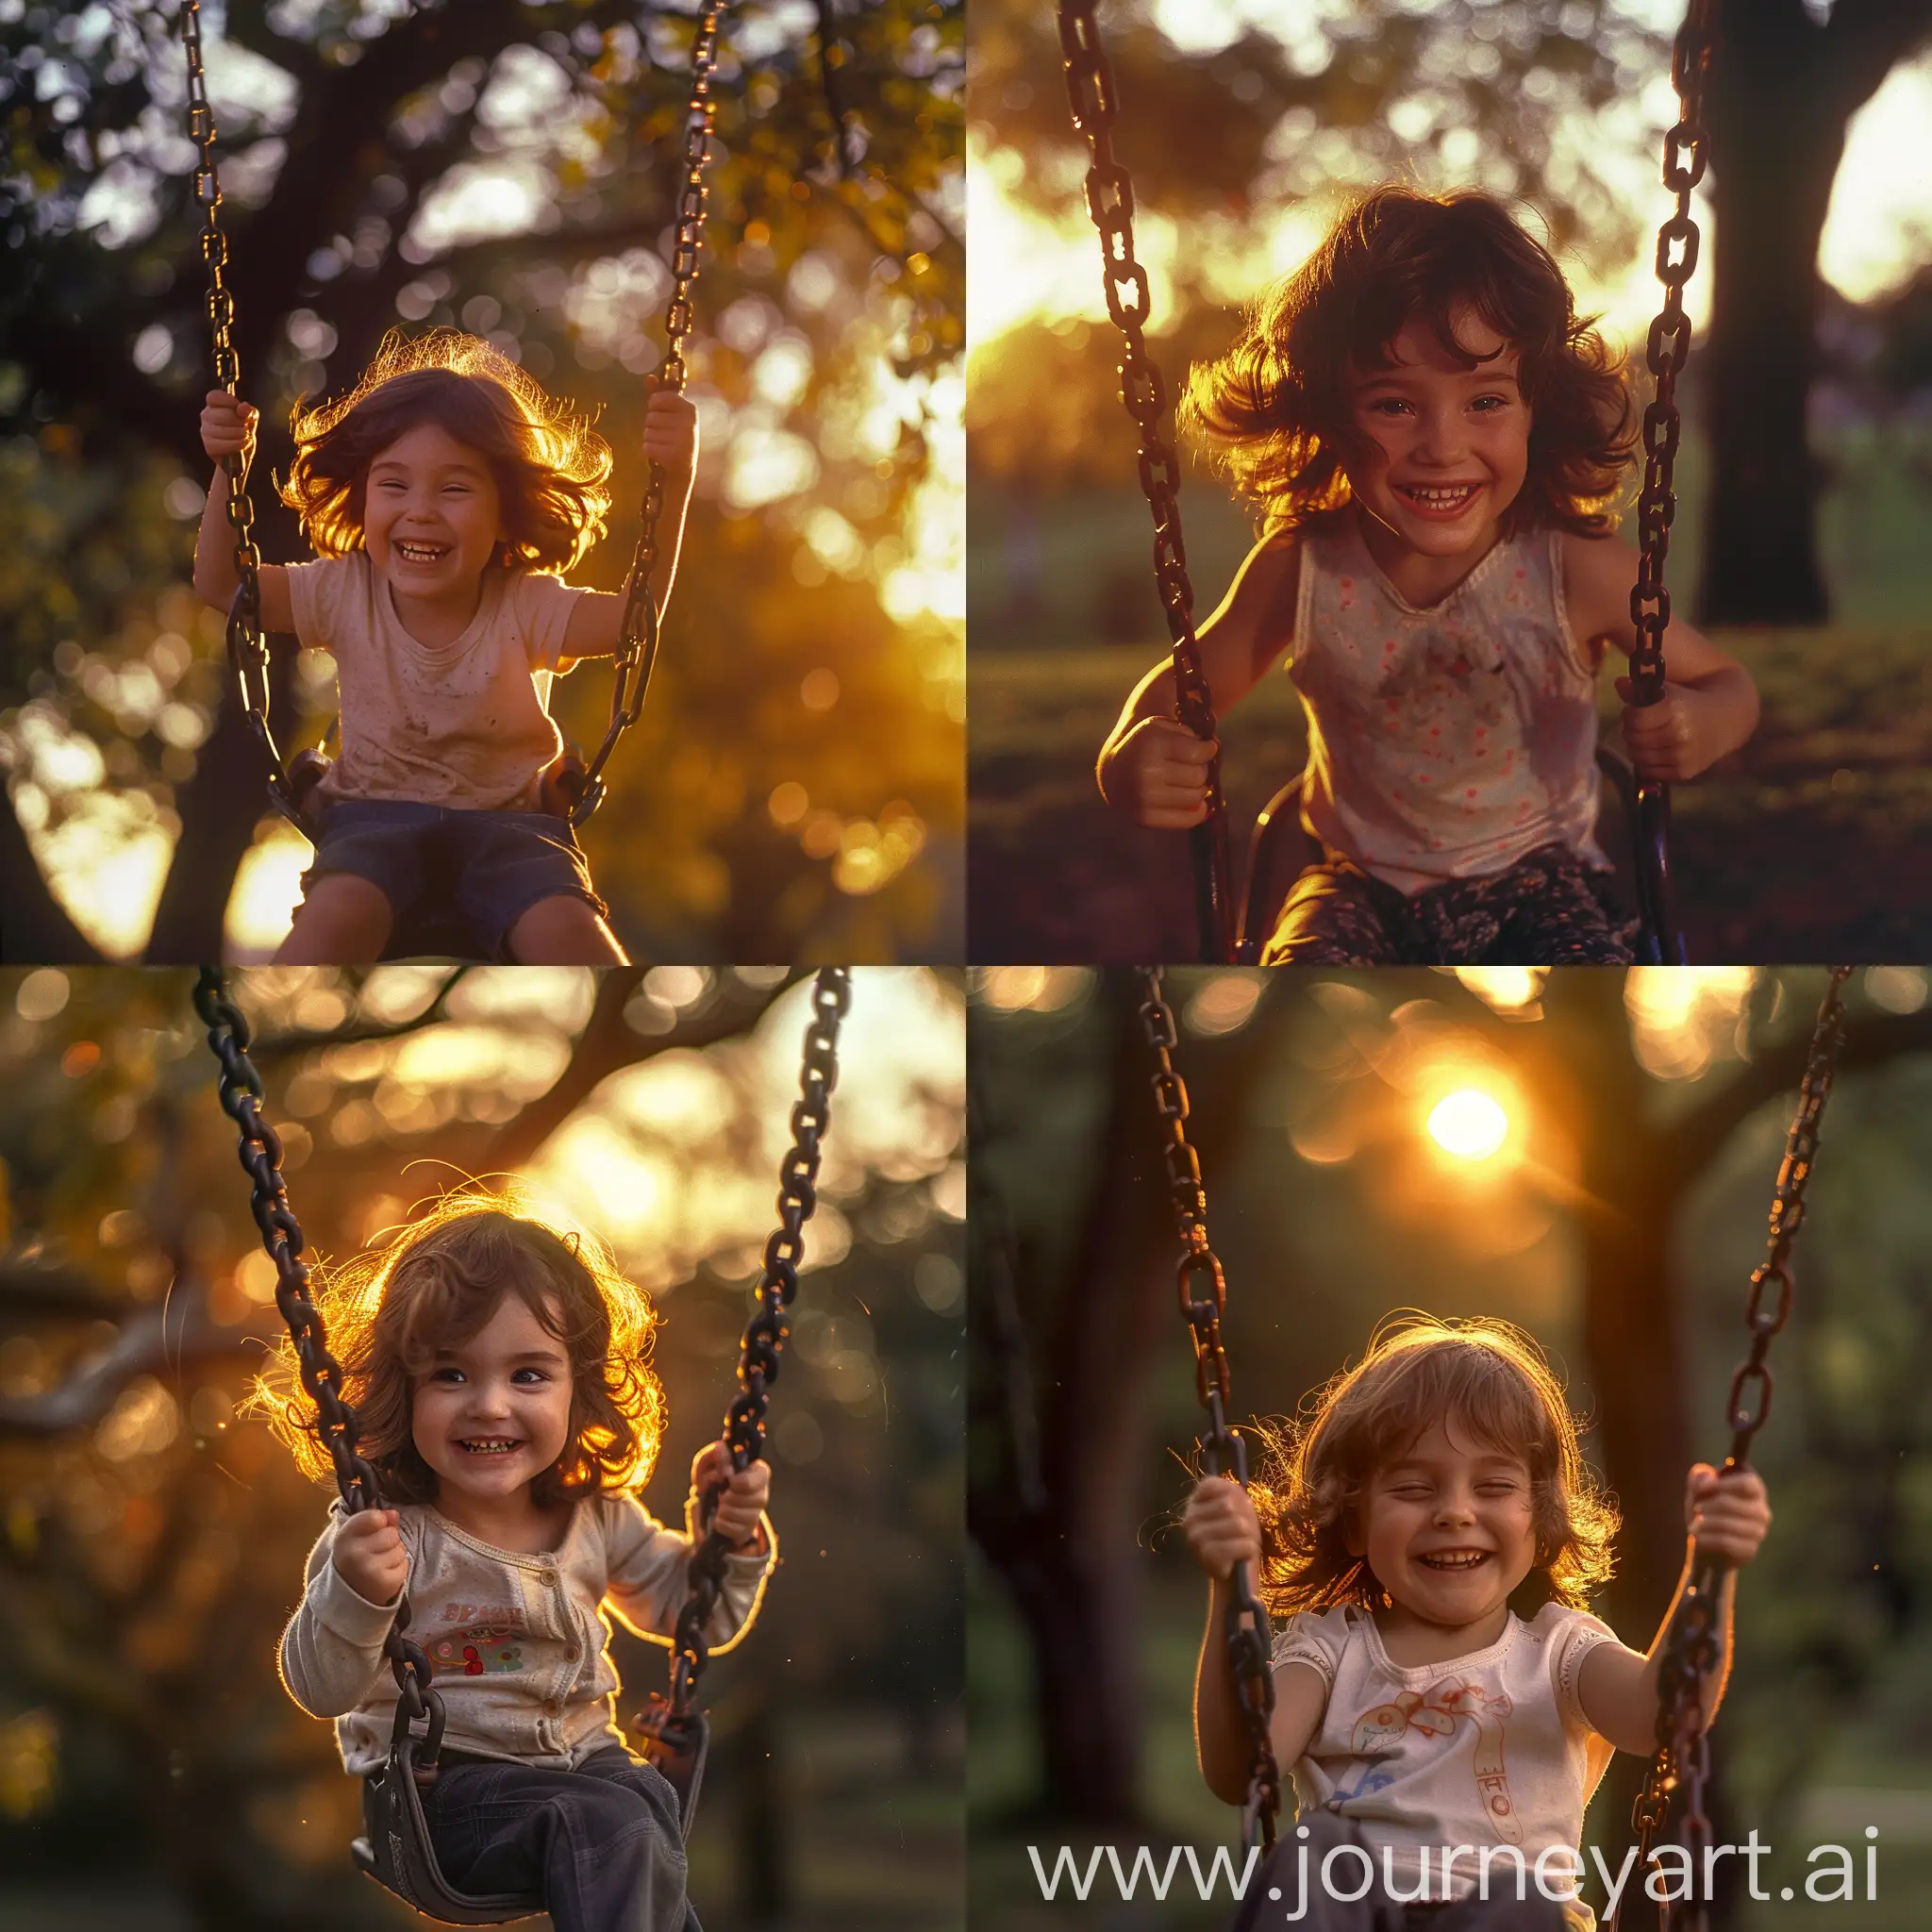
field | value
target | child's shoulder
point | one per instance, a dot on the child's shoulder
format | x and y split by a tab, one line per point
1557	1625
1319	1636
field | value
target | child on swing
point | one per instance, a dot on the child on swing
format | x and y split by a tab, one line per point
1445	1700
501	1378
1431	436
445	496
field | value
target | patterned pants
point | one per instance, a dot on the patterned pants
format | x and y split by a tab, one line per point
1546	911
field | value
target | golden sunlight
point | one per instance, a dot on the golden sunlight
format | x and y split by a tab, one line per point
1684	1017
1470	1123
261	908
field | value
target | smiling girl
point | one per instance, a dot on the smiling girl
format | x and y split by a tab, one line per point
1432	437
1446	1702
445	496
500	1377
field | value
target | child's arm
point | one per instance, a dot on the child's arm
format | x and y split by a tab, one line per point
1153	768
227	428
670	442
332	1649
1710	705
1223	1530
1617	1688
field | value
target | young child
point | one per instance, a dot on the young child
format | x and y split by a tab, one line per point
1431	436
445	495
1442	1696
501	1384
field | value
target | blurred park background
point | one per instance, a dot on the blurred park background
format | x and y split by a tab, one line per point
154	1777
510	167
1804	481
1614	1208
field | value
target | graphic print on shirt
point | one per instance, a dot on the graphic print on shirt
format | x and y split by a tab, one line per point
1437	1712
487	1643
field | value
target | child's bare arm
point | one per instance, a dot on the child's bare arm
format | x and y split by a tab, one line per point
227	428
1618	1688
670	442
1710	705
1155	769
1222	1530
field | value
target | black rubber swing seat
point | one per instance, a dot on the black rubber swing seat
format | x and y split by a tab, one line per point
1282	848
396	1850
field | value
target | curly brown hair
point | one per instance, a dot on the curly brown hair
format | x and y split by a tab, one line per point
1274	411
436	1283
1491	1379
552	469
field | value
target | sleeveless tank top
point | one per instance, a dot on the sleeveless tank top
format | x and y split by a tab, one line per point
1449	742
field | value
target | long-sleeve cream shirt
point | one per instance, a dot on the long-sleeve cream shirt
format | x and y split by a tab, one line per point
518	1642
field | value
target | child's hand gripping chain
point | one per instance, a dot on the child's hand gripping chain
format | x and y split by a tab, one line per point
742	1493
369	1555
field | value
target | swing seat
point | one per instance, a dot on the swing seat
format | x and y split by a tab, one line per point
1282	848
396	1850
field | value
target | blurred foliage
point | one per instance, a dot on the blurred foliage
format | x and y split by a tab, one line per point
1330	1211
511	169
151	1548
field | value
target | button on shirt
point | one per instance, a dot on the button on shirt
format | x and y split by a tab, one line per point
518	1642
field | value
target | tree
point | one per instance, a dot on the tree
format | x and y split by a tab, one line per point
828	328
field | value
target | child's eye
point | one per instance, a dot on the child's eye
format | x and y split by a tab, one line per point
1487	404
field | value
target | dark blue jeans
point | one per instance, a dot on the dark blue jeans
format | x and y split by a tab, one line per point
602	1843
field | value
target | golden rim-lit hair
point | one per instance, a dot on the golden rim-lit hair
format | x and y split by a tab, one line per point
1274	411
552	469
436	1283
1490	1379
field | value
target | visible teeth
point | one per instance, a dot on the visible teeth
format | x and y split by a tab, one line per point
495	1446
420	553
1439	496
1467	1561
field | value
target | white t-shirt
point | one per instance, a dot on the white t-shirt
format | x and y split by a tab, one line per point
464	723
1449	741
1488	1749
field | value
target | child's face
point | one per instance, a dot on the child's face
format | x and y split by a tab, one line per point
431	515
509	1384
1442	449
1448	1527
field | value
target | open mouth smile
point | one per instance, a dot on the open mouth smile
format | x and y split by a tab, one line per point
1455	1561
1439	499
420	553
490	1445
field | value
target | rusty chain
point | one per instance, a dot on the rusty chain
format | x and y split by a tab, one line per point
637	647
260	1150
246	643
1203	1299
1092	99
1693	1644
1685	154
764	1337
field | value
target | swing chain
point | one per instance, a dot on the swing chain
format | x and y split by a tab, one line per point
1204	1300
261	1151
247	646
1691	1645
1669	345
1093	100
765	1334
636	648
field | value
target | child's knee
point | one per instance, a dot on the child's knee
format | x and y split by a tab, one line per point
343	920
562	931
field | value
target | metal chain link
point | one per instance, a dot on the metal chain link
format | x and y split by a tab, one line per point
1204	1300
764	1335
260	1150
1669	345
1092	98
1691	1645
636	648
246	643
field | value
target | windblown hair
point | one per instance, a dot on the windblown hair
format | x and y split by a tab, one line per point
552	469
437	1283
1486	1379
1274	410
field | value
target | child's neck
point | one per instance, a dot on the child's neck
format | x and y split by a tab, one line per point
1421	578
516	1522
1413	1640
437	620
